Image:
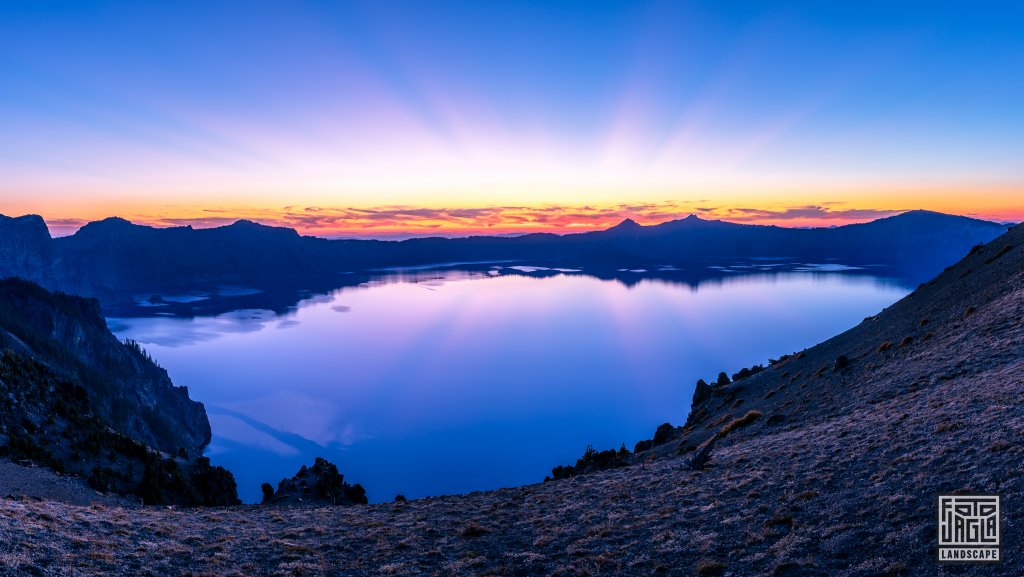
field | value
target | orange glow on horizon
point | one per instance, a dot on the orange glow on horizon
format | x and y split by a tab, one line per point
402	221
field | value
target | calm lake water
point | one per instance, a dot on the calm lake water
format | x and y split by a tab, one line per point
436	382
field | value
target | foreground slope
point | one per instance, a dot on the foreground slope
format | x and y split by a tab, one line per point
843	484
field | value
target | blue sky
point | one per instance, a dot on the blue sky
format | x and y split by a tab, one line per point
186	109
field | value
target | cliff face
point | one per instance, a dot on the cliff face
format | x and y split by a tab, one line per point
76	400
48	421
126	388
26	249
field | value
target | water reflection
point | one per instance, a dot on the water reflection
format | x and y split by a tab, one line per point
442	381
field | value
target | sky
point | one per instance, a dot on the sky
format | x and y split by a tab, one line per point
392	117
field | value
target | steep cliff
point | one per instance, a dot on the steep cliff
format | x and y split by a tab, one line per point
26	249
76	400
126	388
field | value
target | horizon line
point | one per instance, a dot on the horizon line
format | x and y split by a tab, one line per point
67	227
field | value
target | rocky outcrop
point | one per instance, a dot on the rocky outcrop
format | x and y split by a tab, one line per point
320	484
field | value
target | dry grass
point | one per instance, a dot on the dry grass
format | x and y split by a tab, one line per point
743	421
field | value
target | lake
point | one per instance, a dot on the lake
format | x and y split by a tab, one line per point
430	382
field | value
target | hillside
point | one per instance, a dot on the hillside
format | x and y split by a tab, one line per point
126	388
75	399
835	474
114	260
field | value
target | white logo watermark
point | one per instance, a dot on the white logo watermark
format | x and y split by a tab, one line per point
969	529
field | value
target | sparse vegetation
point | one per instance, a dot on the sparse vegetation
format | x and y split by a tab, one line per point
665	433
743	421
706	568
320	484
592	461
841	363
474	530
746	372
1001	252
56	427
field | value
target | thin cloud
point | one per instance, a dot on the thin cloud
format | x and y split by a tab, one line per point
815	212
501	219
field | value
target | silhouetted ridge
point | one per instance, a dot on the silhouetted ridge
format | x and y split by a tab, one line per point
255	227
627	224
107	225
115	260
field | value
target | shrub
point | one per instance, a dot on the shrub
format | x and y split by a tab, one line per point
705	568
841	363
473	530
642	446
357	494
743	421
745	372
212	486
780	520
884	346
592	460
665	433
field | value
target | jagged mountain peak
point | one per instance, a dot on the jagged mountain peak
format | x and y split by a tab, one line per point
627	224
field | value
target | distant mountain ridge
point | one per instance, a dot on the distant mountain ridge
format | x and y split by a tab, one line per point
112	257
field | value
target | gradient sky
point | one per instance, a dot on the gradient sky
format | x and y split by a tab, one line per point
384	116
